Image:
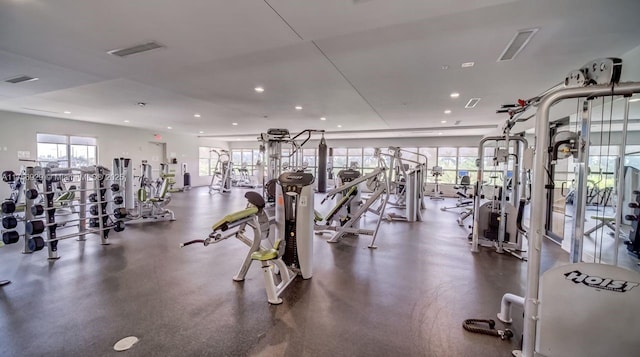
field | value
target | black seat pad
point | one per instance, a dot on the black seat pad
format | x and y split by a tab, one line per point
255	199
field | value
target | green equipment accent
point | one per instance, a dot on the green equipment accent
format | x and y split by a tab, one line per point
267	254
233	217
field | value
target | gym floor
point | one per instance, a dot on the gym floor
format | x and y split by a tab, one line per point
407	298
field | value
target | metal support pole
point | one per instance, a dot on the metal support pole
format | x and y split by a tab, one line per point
580	198
621	180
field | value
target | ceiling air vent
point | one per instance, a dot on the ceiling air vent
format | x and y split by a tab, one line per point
472	103
517	44
20	79
124	52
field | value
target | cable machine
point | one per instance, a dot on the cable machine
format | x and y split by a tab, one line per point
271	144
582	308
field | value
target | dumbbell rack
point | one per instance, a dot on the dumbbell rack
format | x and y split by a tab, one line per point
633	244
40	226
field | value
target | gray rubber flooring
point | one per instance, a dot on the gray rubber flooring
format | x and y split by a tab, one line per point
407	298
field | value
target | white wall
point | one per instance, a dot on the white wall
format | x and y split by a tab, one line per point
18	133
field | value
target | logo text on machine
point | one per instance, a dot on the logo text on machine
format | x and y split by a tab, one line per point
597	282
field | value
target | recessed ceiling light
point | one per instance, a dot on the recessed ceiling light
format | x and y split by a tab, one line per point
467	64
234	124
196	115
443	121
323	118
67	112
445	67
454	95
634	100
169	128
126	121
439	133
448	111
298	107
259	89
201	132
339	126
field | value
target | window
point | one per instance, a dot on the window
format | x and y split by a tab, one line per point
207	160
354	156
431	154
339	159
369	161
602	165
632	156
467	162
309	158
448	160
66	151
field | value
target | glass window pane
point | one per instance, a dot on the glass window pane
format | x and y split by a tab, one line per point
447	163
369	160
203	167
445	151
51	138
204	152
339	151
62	155
92	155
79	156
47	152
339	162
467	163
448	176
431	154
468	151
310	160
247	157
236	157
81	140
409	154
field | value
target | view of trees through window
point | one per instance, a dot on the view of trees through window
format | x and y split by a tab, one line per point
452	159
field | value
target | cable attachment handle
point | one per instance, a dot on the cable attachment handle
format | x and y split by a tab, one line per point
472	325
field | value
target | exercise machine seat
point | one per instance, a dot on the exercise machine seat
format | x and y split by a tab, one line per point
465	181
255	199
267	254
317	216
233	217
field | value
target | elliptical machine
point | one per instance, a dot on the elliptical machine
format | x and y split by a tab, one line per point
437	172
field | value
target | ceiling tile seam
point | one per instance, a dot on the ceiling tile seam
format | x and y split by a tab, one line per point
376	131
350	83
283	20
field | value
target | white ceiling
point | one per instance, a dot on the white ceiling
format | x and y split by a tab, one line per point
371	66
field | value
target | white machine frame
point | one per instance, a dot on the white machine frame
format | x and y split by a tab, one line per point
601	303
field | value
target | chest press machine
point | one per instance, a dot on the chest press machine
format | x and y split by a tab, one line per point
291	252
